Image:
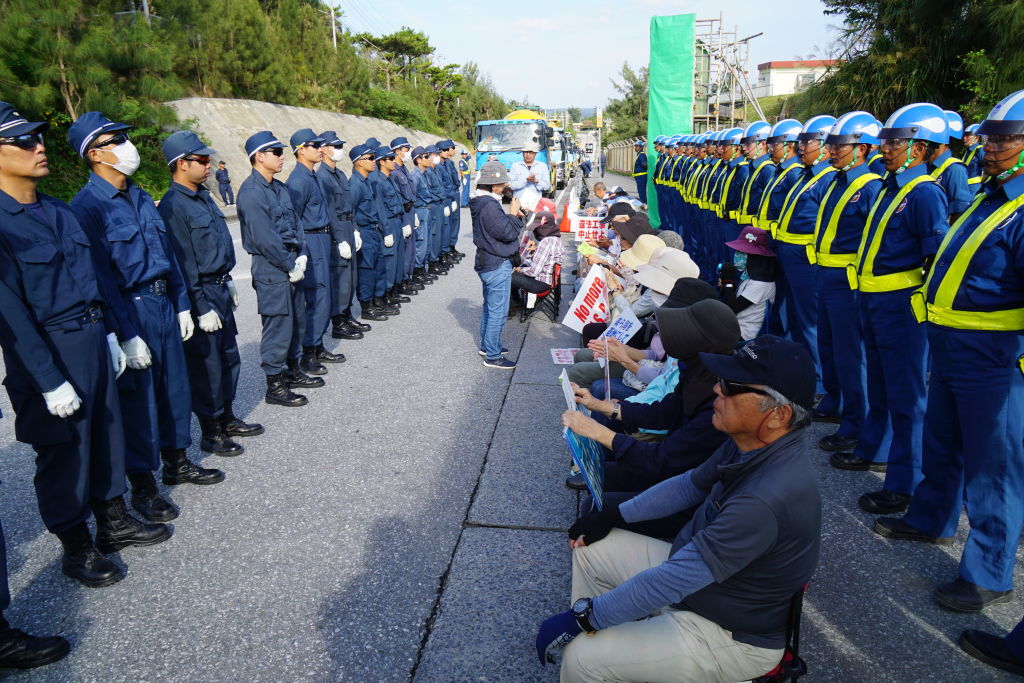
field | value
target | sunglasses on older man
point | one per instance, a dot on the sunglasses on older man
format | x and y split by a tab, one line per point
735	388
28	141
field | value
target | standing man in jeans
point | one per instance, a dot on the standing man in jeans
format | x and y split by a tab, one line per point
496	236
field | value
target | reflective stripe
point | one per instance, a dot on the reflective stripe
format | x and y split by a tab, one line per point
748	186
863	277
636	174
830	260
762	212
726	184
937	173
941	311
788	206
824	247
703	196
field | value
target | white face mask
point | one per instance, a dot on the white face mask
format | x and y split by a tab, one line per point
658	299
435	159
337	155
128	159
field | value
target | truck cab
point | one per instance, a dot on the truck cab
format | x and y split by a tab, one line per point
505	139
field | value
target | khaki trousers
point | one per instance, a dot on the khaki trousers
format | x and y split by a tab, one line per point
672	645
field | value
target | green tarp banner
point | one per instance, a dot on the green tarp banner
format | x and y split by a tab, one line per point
670	96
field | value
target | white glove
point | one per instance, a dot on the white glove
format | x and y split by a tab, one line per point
455	206
117	357
359	240
300	262
406	230
138	354
210	322
345	250
185	325
417	221
62	401
233	293
389	241
296	274
447	211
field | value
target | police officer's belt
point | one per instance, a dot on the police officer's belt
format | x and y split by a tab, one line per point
324	229
92	314
156	288
215	279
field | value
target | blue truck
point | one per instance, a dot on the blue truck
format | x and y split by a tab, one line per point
505	139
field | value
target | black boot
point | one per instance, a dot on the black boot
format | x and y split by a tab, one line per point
411	288
232	426
355	324
385	309
178	469
83	562
215	440
116	529
325	356
340	329
371	311
420	276
309	364
295	377
458	254
436	268
278	393
19	650
393	297
146	499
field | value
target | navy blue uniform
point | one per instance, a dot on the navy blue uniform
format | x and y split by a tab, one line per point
130	238
439	226
640	176
343	271
206	256
389	209
424	204
404	182
313	209
271	233
53	327
365	210
227	195
454	188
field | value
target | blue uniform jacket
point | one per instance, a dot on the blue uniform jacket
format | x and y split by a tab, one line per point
339	199
742	166
759	182
364	203
308	198
200	237
127	232
780	191
222	176
850	228
954	182
640	165
425	191
805	213
268	222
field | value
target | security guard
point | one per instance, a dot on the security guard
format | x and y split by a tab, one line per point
439	210
662	153
973	429
904	227
424	205
344	243
464	171
837	233
727	196
317	222
206	256
640	170
447	148
950	172
389	208
709	224
227	195
402	181
271	234
61	353
762	170
975	157
129	235
365	208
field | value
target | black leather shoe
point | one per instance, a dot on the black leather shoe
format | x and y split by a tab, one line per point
354	324
884	502
279	394
370	311
19	650
343	331
990	649
894	527
116	529
437	268
325	356
393	297
83	562
309	364
458	254
849	461
178	469
576	482
296	378
390	310
964	596
215	440
838	444
232	426
146	499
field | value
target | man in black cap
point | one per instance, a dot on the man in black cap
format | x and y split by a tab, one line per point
720	593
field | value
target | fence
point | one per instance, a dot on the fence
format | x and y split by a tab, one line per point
621	156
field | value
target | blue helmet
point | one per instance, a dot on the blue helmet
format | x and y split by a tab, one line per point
785	130
731	136
919	121
854	128
756	132
816	128
971	129
1006	118
955	123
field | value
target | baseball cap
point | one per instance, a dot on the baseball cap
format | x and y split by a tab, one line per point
770	361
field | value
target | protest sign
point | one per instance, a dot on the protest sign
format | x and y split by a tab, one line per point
563	356
590	304
624	326
589	457
590	228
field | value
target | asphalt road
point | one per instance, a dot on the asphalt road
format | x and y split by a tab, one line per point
409	524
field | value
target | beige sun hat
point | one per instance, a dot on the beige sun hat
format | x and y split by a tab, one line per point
641	251
665	267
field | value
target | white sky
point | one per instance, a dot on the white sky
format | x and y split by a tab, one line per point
562	54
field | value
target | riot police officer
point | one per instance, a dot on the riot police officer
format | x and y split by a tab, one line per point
402	181
426	200
390	210
640	170
366	211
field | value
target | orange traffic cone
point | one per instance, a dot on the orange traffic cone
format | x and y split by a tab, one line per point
564	225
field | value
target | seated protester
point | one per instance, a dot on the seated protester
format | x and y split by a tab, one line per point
754	269
640	298
615	214
713	604
596	203
632	465
641	366
537	270
672	239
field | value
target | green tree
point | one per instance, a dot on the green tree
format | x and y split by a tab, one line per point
629	112
396	53
573	115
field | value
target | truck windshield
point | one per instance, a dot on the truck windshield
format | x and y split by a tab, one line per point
503	137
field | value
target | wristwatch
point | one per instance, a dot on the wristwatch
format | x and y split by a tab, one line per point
581	610
616	411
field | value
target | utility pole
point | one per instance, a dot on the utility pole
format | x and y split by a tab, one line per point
334	26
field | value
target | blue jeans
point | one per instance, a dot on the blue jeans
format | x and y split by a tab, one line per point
497	290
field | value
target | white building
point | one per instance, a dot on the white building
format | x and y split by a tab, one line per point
786	78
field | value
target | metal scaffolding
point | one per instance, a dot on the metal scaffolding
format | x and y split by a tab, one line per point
721	89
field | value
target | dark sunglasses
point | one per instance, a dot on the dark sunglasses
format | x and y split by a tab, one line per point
314	145
734	388
276	151
117	139
28	141
205	161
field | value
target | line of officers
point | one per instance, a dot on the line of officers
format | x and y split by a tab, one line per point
902	272
117	313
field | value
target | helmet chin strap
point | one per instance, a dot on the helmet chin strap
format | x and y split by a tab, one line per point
821	154
1013	169
905	164
853	161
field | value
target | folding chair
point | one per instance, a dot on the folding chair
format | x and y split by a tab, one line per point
550	300
791	667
